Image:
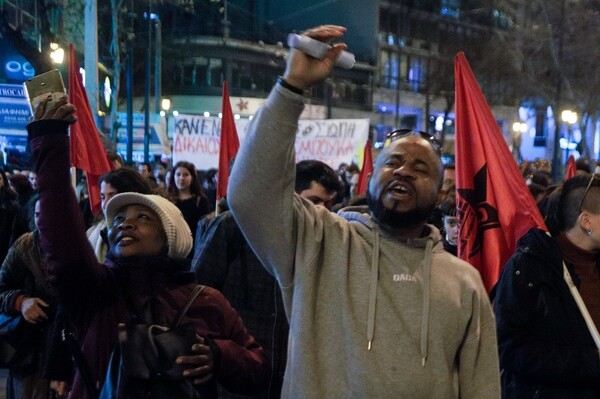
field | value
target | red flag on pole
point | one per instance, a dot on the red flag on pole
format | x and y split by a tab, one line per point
87	151
494	204
571	168
229	144
367	169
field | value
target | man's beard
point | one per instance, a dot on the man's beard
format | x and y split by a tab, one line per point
395	219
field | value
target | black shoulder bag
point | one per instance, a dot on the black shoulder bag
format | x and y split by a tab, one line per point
143	362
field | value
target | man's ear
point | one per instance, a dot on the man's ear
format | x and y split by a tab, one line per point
584	221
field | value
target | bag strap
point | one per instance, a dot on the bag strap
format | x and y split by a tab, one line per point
80	361
581	305
128	302
199	288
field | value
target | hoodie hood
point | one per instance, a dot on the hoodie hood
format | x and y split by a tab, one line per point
431	237
360	214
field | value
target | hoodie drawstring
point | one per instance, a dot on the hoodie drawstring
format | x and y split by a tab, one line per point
373	295
373	288
425	315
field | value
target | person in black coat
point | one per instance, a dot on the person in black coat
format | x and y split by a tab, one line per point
21	185
9	208
546	348
26	289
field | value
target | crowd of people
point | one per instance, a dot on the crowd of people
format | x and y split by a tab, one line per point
296	287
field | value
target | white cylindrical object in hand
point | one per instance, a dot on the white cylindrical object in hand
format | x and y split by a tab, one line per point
318	49
345	60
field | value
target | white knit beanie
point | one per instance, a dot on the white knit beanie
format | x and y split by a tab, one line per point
179	235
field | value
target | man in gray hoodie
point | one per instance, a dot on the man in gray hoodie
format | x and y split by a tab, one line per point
377	308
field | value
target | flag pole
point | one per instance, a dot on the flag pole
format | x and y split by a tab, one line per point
581	305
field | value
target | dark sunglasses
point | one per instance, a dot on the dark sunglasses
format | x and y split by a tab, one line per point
397	134
587	188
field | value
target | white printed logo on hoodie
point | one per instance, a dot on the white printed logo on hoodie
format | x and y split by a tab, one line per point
404	277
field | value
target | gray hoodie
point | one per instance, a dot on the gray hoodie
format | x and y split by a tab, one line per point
370	317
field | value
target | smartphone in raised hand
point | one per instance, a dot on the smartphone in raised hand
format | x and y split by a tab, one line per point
40	86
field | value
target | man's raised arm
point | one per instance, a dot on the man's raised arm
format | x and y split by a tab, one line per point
261	187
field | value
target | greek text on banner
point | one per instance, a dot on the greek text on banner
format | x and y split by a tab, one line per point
196	139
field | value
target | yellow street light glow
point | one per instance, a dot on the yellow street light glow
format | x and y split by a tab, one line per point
165	104
519	127
57	55
569	116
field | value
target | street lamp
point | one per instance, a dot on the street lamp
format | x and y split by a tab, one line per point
57	53
570	118
518	129
165	104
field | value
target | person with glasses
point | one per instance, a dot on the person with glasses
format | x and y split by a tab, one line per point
546	348
377	308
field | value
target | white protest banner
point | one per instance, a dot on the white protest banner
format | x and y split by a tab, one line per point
333	141
197	138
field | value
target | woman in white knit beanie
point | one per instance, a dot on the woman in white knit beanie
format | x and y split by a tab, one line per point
178	243
145	280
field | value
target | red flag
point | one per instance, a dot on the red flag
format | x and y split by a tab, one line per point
367	169
571	168
494	204
87	151
229	144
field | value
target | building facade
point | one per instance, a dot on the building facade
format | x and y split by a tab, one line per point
404	49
